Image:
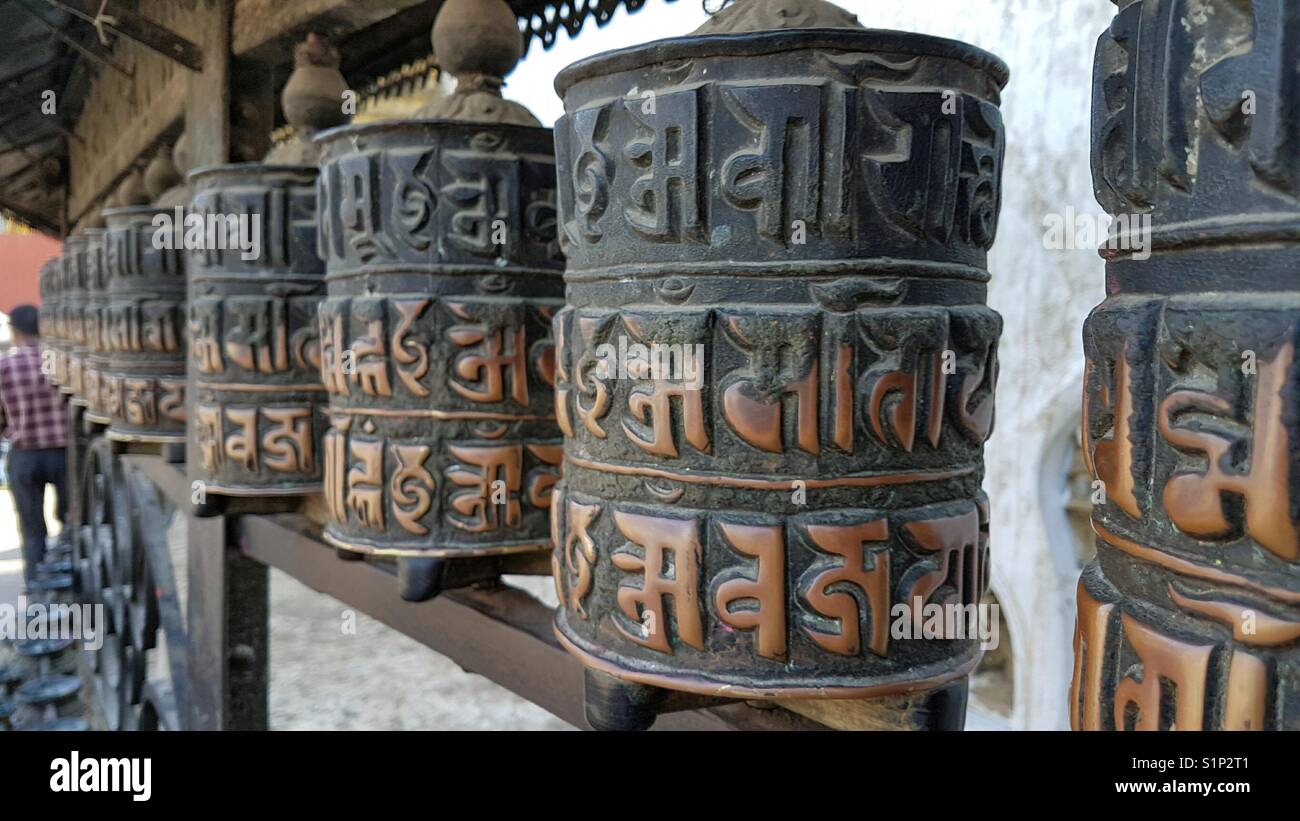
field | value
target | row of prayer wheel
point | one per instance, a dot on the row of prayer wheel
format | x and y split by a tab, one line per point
113	320
797	244
114	324
749	419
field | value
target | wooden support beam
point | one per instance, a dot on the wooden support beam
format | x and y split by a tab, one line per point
254	107
13	117
94	52
35	108
25	168
404	36
265	29
167	107
498	632
207	114
137	28
22	74
22	144
228	592
226	613
34	159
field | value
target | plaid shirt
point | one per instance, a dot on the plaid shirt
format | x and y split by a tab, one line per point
31	412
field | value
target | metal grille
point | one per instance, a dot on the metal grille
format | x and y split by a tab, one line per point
569	15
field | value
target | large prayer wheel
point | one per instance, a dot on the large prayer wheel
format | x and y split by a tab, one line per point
775	369
94	360
142	381
51	285
443	275
73	309
254	370
1189	618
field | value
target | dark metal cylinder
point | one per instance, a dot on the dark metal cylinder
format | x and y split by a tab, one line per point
51	286
1190	616
436	349
74	312
254	368
95	361
142	384
775	370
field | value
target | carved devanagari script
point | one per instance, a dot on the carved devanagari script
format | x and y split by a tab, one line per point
775	370
1190	617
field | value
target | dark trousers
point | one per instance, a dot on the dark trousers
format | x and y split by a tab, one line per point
29	472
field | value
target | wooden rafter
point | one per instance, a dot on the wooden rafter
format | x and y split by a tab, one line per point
34	108
135	27
94	52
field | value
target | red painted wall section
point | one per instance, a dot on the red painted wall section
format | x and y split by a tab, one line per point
21	258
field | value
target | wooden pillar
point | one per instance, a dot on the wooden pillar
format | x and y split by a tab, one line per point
228	642
253	107
1190	616
227	607
207	111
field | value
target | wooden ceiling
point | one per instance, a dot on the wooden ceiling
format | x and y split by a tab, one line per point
54	166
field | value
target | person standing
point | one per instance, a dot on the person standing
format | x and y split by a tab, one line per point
32	420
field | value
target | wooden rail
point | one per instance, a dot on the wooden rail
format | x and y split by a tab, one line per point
496	631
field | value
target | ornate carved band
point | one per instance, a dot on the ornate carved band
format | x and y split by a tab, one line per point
258	411
436	348
73	309
93	355
52	347
142	384
1190	617
775	372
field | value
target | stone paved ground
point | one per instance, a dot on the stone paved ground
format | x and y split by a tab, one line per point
325	679
377	678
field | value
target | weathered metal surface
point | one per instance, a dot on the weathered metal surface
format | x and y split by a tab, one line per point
775	371
95	359
443	277
74	313
142	328
1190	616
436	347
254	366
51	289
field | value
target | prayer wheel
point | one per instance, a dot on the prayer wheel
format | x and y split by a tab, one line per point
94	361
254	370
51	284
1189	618
73	301
142	328
775	369
102	389
443	276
